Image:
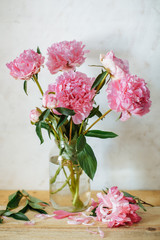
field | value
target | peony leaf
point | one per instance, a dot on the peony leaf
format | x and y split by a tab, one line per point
95	111
99	79
38	50
15	199
25	87
62	120
81	142
39	132
87	161
44	115
65	111
19	216
100	134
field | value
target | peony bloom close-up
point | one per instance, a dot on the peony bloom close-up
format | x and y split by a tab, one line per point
115	209
64	56
130	96
72	90
26	65
117	67
34	115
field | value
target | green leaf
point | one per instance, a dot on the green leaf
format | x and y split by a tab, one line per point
87	161
25	193
93	212
141	205
14	202
100	134
44	115
126	194
62	120
1	220
25	87
65	111
36	200
81	142
95	111
19	216
12	196
25	208
99	79
38	50
39	132
2	212
37	207
47	127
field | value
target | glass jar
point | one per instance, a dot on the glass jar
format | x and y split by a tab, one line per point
69	185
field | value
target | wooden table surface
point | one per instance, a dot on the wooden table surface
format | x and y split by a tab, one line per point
52	229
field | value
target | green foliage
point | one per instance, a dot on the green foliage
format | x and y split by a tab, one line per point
87	161
44	115
38	50
65	111
101	77
100	134
25	87
95	111
81	142
31	203
62	120
39	132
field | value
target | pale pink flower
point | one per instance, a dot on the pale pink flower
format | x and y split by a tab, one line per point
130	96
26	65
115	210
49	98
72	90
34	115
117	67
64	56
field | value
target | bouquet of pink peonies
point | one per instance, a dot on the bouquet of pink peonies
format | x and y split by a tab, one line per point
68	104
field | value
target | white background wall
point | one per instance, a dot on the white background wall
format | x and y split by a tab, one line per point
129	27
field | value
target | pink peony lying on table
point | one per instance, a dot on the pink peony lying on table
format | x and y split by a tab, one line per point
72	90
115	209
129	95
64	56
26	65
117	67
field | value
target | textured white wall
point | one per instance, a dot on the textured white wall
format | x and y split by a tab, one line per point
129	27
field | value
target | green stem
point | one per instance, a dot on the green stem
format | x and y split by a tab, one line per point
36	80
65	175
65	183
53	179
97	120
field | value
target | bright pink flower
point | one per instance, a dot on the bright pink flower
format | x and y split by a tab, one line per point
26	65
116	66
72	90
34	115
64	56
115	210
129	95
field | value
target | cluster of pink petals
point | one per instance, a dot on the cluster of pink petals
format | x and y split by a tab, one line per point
129	95
64	56
117	67
115	209
72	90
26	65
34	115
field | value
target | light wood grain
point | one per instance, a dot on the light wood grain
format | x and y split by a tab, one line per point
147	229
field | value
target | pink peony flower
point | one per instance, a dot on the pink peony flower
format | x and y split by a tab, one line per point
115	210
26	65
129	95
117	67
34	115
64	56
72	90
